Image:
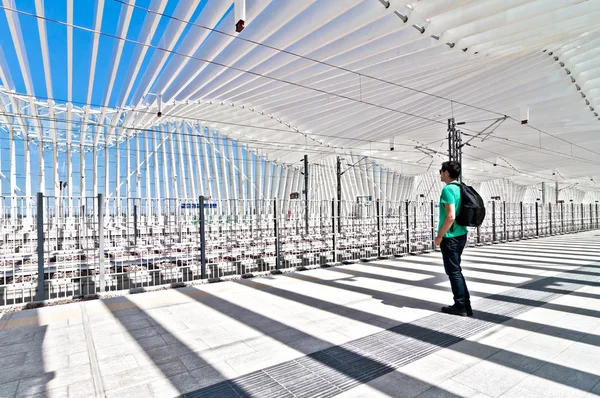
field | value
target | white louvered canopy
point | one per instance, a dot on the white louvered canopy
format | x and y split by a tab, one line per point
319	77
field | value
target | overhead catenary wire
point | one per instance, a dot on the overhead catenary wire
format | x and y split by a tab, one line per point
289	82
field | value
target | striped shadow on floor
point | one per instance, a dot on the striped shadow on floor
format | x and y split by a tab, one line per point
334	370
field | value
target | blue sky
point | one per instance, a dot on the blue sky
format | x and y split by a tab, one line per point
83	15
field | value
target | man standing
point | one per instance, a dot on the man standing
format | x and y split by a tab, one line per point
452	238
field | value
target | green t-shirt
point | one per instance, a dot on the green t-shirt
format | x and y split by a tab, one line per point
451	195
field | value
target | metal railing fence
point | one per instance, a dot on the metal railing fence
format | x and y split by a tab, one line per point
59	247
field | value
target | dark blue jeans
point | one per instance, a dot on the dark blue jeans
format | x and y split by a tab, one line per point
452	249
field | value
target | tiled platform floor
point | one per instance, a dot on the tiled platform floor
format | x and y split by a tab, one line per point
362	330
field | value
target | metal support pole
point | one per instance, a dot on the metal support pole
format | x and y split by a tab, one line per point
101	241
135	224
581	227
41	294
306	193
432	226
333	230
276	226
339	191
597	218
562	218
504	220
572	216
550	216
522	224
537	219
591	217
378	229
493	222
407	227
202	240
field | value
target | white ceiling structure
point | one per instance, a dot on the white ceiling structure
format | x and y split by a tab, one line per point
328	77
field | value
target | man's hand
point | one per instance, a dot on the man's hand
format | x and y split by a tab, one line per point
438	240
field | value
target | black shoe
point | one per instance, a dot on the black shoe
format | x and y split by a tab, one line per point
452	310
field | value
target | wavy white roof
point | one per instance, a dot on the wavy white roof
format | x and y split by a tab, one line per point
328	76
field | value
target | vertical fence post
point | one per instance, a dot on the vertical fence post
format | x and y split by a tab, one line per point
378	213
276	226
135	224
407	227
202	240
101	241
537	219
432	226
505	220
41	294
494	222
562	218
333	230
550	216
522	224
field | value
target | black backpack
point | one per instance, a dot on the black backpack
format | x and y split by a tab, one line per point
472	207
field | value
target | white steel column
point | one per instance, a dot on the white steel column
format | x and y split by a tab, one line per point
13	177
138	171
223	175
174	177
196	139
205	159
213	158
166	180
146	138
240	169
179	131
232	168
188	144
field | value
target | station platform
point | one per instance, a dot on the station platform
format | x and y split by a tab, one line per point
361	330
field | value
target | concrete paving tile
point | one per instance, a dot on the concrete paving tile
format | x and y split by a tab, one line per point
16	336
433	369
580	357
517	360
553	342
12	360
143	374
102	341
82	389
490	378
8	389
253	361
79	359
59	392
138	391
174	386
393	384
449	389
52	380
578	323
210	375
194	343
308	345
521	392
117	364
557	381
467	352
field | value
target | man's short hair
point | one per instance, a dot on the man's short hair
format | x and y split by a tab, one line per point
453	169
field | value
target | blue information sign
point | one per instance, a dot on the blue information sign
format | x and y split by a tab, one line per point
197	205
